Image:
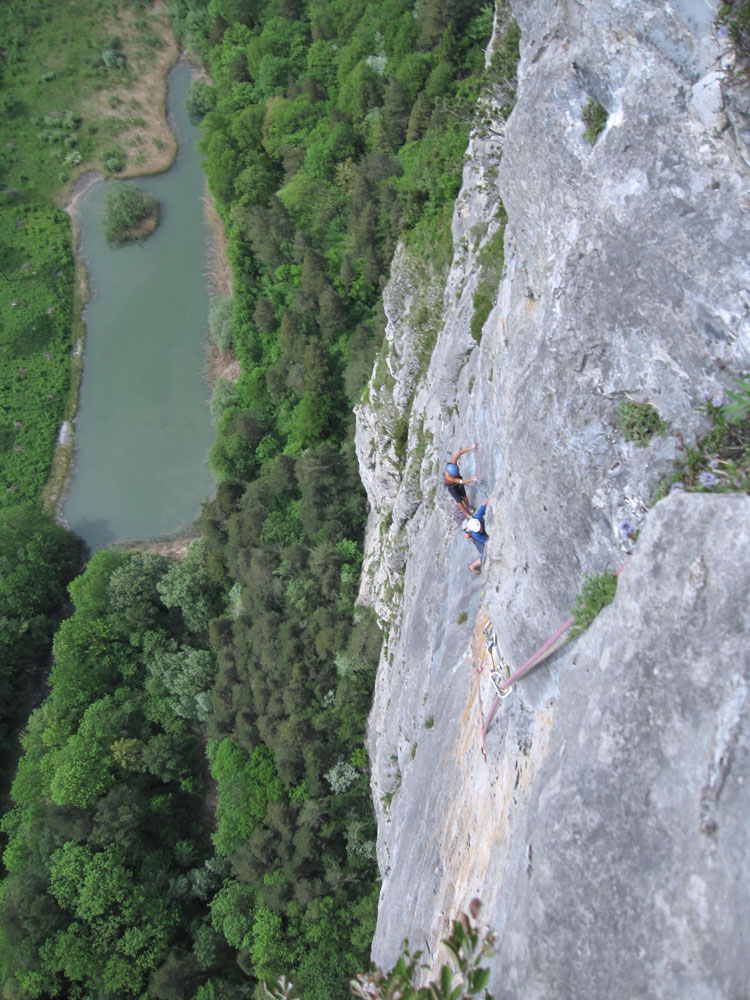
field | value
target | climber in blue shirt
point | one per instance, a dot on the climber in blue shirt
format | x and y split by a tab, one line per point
475	530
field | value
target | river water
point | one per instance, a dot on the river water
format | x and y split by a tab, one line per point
143	431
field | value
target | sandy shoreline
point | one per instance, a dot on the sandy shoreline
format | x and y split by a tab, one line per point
219	277
218	270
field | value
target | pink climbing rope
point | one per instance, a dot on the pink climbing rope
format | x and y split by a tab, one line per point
555	642
533	660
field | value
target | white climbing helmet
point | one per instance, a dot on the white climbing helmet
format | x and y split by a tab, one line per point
474	524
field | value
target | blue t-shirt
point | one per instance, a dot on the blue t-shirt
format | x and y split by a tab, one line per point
480	537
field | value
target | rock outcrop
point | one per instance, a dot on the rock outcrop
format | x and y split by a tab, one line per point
604	830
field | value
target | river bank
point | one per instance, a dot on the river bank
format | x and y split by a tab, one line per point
143	433
149	94
148	132
218	278
219	364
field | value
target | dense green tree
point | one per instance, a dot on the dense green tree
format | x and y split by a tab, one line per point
37	558
235	11
89	659
90	590
187	585
232	912
247	783
200	100
222	159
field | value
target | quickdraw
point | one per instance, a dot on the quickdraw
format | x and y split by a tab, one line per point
556	641
499	681
490	639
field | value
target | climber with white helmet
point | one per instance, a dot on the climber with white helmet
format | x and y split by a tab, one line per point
475	530
455	484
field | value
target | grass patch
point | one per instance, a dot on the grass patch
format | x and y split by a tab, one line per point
432	240
35	301
426	322
597	592
506	50
425	346
640	421
388	797
401	434
594	117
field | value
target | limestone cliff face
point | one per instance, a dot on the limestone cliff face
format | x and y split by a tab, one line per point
603	832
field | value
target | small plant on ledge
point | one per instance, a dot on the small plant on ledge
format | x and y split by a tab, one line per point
594	117
597	592
734	17
640	421
719	460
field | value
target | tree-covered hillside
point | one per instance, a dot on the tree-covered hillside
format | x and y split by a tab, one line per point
193	803
64	71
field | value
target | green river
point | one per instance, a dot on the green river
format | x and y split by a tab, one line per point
143	431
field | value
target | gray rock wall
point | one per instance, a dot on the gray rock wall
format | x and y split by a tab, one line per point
635	833
604	830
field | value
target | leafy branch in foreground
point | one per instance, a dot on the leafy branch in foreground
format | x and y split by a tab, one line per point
739	408
461	979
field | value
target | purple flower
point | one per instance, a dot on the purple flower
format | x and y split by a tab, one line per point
714	463
676	486
718	401
705	395
627	528
707	479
